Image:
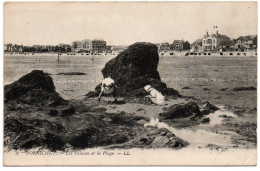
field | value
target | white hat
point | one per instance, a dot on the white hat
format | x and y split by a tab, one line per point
147	87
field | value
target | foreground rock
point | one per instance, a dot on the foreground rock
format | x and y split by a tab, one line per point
182	111
36	116
36	80
189	114
36	89
134	68
207	108
154	138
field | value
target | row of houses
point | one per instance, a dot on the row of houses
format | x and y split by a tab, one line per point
217	42
176	45
95	46
37	48
214	43
88	45
76	46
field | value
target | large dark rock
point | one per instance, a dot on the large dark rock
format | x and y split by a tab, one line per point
34	88
182	111
35	80
141	59
134	68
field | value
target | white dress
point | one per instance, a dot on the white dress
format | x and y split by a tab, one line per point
157	97
106	85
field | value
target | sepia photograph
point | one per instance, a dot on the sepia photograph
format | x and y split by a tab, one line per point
130	83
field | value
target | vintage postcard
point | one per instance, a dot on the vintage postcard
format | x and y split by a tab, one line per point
130	83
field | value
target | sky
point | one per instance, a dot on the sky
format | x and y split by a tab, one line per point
124	23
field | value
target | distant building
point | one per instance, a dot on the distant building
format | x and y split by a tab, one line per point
16	48
87	45
74	45
164	46
118	48
20	48
232	45
177	44
49	48
212	42
225	45
246	42
8	47
197	46
64	47
77	45
108	49
98	45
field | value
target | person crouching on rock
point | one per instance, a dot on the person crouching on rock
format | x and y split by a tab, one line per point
108	87
154	95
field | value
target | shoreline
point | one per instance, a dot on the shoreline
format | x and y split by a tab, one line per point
165	54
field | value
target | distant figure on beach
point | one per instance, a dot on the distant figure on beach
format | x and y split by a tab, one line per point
92	57
108	87
154	95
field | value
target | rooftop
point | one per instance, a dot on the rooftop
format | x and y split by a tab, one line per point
198	41
246	38
98	40
178	41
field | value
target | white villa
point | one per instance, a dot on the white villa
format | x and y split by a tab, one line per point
212	42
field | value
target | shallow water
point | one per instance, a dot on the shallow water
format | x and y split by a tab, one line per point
191	135
215	118
176	72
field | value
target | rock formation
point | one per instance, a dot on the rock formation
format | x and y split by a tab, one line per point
36	116
207	108
36	88
182	111
134	68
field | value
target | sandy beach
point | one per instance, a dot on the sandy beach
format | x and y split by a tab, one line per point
199	80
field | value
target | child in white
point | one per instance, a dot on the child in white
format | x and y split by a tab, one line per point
108	87
155	95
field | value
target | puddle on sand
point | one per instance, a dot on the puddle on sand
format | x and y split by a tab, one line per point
215	118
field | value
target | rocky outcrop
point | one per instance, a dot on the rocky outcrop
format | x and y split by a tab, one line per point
36	116
36	90
86	130
36	80
153	137
207	108
182	111
134	68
